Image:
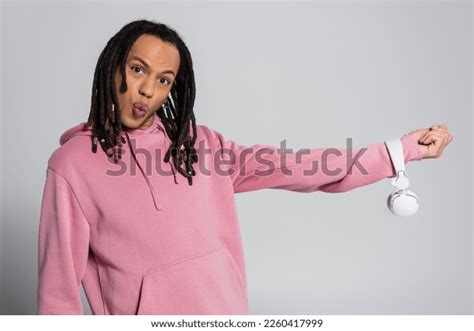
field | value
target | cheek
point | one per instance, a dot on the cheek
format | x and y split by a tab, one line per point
123	101
126	98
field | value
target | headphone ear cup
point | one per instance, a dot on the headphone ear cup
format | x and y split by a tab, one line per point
389	201
403	202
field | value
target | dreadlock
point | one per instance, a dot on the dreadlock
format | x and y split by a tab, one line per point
177	114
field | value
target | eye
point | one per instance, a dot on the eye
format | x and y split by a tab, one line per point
136	67
133	67
166	81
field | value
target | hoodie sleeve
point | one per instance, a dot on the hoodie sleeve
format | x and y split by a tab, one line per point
331	169
63	246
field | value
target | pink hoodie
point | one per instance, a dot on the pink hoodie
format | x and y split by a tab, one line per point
141	244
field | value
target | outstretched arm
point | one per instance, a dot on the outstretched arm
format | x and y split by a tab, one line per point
328	169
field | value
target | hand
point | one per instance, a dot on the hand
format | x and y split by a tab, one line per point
432	141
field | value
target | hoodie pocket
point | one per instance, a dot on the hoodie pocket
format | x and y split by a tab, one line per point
206	284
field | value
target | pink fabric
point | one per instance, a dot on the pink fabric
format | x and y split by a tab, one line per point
141	244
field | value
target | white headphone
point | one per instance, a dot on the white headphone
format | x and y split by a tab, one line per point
401	202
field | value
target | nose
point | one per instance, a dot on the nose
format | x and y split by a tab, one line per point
146	88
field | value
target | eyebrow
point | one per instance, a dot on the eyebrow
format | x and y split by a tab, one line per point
135	57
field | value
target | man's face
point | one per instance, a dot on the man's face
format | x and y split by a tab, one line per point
151	69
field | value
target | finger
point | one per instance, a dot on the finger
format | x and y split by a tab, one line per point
439	129
446	133
434	151
424	138
433	138
450	138
435	128
440	126
436	144
441	145
436	131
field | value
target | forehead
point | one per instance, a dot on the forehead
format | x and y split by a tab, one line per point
156	52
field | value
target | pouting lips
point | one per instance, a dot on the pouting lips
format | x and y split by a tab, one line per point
138	111
141	105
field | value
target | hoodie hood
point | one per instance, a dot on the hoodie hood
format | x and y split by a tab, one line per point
78	130
83	130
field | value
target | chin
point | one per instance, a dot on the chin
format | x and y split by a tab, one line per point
130	122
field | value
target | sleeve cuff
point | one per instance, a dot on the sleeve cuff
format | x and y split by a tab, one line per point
411	150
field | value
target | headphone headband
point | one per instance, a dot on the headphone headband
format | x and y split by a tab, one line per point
395	150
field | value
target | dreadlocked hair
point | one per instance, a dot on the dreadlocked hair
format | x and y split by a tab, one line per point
177	110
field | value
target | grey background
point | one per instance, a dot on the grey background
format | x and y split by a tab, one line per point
313	73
